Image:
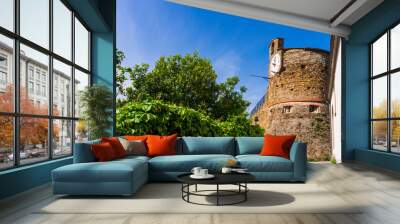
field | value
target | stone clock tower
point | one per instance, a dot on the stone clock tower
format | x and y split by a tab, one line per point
296	101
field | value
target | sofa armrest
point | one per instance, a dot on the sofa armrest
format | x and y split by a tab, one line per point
83	152
298	155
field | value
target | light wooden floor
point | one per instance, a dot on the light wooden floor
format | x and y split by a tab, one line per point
378	189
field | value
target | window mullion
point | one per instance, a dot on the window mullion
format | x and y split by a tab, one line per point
389	104
73	82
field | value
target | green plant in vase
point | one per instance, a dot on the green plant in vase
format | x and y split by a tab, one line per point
96	103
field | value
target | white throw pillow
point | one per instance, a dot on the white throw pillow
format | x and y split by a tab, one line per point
134	147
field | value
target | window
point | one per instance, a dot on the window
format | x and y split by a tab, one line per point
30	72
6	73
62	29
385	95
3	78
287	109
7	14
44	91
314	109
45	131
34	21
81	45
30	87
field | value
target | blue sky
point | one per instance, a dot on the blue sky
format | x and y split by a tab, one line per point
148	29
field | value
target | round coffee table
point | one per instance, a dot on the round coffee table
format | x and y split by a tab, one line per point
238	179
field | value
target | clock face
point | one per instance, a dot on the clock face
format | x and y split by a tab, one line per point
276	63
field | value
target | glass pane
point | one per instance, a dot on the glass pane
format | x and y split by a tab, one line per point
35	21
62	29
379	97
395	136
81	131
34	97
33	139
7	14
395	94
6	142
62	138
379	135
379	55
81	45
6	74
62	89
81	81
395	47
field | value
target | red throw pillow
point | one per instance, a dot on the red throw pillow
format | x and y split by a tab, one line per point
135	137
116	145
103	152
277	145
161	145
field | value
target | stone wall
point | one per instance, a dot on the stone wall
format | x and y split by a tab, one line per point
296	101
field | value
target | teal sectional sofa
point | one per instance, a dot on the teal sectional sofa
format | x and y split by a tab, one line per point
125	176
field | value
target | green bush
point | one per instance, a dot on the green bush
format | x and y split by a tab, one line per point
158	117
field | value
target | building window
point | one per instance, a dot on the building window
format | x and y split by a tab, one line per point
385	97
56	127
287	109
30	72
3	78
30	87
314	109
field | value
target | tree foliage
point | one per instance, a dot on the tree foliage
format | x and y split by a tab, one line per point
158	117
96	102
188	81
33	130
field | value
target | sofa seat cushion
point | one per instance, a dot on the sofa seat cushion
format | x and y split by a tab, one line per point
185	163
112	171
257	163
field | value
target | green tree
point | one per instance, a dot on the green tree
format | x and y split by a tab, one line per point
96	102
158	117
188	81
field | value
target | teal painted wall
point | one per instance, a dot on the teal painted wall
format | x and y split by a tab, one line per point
99	15
356	84
24	178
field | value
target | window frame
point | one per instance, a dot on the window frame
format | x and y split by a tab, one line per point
16	114
388	74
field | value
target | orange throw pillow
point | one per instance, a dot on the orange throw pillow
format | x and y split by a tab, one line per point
103	152
161	145
277	145
116	145
135	137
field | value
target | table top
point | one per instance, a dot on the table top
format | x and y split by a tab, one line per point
220	178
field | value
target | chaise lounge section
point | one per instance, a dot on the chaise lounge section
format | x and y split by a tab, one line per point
125	176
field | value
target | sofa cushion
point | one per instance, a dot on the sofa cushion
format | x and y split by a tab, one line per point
161	145
185	163
257	163
208	145
275	145
103	152
249	145
134	147
116	145
112	171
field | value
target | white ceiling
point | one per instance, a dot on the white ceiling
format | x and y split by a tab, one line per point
321	9
318	15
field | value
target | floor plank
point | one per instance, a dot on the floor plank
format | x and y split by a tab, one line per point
376	190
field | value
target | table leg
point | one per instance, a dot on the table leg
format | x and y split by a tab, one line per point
195	188
245	193
217	194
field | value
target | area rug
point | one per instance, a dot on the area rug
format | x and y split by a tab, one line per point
166	198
